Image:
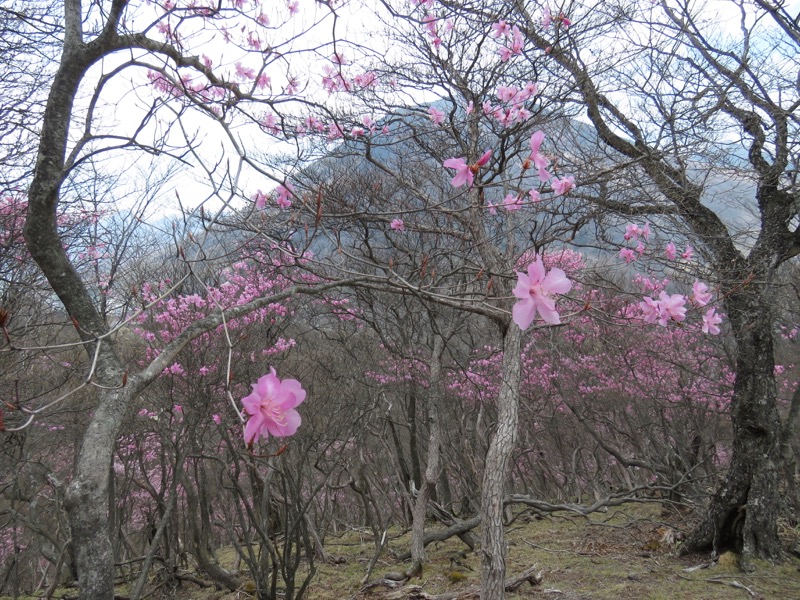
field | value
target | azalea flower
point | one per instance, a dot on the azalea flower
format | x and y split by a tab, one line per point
512	202
500	29
687	254
627	254
651	310
535	291
632	231
710	321
398	225
563	185
670	252
284	199
667	307
245	72
260	199
700	294
271	408
465	174
672	307
437	116
539	160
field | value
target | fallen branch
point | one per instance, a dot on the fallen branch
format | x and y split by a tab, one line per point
719	580
414	592
459	529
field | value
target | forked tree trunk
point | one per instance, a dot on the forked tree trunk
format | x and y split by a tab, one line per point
743	512
493	550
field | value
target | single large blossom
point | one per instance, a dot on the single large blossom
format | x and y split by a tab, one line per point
271	408
535	291
465	172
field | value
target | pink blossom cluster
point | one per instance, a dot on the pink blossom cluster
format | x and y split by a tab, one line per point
511	107
510	39
282	194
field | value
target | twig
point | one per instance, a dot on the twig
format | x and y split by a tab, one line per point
720	581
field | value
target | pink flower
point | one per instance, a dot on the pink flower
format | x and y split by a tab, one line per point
632	232
563	185
535	291
535	196
500	29
670	251
650	310
216	418
271	408
284	199
710	321
539	161
672	307
627	254
436	115
260	199
687	254
512	202
700	294
398	225
245	72
263	81
667	307
464	172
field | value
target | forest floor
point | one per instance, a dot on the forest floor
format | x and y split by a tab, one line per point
627	553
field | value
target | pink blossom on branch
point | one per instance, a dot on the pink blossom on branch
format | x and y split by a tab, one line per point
700	294
284	199
627	254
501	29
668	307
398	225
271	408
711	320
436	115
535	292
563	185
538	160
632	231
465	173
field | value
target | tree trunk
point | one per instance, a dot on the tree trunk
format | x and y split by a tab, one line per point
493	564
433	467
86	500
743	512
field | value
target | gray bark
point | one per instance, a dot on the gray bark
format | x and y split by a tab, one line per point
433	467
493	548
